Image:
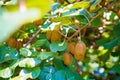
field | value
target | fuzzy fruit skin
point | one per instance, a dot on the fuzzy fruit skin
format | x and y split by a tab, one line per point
118	13
11	41
71	47
55	36
67	58
48	34
19	45
79	57
80	50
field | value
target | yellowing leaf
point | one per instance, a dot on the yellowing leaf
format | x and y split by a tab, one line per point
82	4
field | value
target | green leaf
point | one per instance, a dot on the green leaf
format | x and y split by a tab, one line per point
9	71
29	62
58	64
115	54
7	53
58	46
18	78
45	55
112	43
44	43
116	68
6	72
81	4
93	7
70	75
82	12
25	52
14	64
112	16
25	74
102	41
60	75
63	20
54	6
116	30
96	22
34	73
45	26
81	19
47	73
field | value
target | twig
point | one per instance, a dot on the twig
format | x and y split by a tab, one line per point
76	33
33	36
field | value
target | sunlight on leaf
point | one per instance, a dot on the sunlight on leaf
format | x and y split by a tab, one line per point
29	62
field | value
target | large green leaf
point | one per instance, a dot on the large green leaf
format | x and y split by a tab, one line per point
63	20
116	30
94	7
25	52
70	75
81	4
29	62
34	73
82	12
7	53
116	68
102	41
60	75
45	55
58	64
96	22
58	46
6	72
47	73
44	43
25	74
112	43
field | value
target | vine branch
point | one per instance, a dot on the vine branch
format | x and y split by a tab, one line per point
31	38
85	26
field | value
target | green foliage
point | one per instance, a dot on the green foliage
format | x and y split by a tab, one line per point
45	55
29	62
33	56
116	68
7	53
41	43
112	43
116	30
6	73
96	22
58	46
25	74
82	4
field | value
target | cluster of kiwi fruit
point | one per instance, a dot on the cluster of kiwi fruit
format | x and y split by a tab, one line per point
77	50
74	49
